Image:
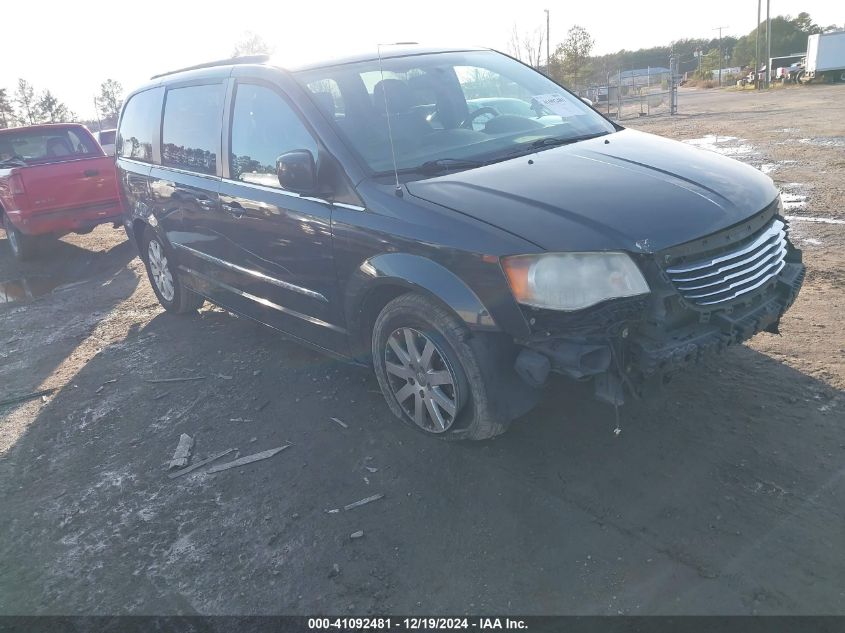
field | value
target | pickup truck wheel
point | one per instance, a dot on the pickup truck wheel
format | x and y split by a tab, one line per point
23	246
161	270
428	373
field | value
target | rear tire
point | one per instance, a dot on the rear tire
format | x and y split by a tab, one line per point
23	246
429	373
161	270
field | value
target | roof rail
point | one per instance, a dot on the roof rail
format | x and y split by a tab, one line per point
246	59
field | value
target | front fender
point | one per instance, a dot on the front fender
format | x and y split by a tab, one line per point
416	273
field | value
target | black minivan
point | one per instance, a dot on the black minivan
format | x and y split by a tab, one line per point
453	218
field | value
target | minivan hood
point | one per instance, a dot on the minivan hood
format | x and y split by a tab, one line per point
626	191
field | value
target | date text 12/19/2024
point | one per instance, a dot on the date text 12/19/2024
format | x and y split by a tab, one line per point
416	624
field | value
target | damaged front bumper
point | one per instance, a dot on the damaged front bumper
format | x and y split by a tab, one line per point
636	343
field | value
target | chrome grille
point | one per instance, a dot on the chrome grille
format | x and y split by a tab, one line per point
731	274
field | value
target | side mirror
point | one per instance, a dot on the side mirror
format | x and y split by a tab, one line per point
297	171
587	101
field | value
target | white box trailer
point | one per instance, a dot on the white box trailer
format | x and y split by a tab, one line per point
826	56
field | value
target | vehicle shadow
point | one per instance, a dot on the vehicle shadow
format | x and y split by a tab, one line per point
48	306
723	495
66	261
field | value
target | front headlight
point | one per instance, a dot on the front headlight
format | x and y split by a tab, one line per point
572	281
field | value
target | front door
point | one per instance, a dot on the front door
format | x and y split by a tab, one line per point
280	242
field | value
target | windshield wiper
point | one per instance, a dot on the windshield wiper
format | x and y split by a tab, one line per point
549	141
439	165
564	140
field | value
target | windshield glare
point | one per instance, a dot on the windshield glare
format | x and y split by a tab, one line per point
477	105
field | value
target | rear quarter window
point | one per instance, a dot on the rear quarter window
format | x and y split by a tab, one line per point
138	126
190	135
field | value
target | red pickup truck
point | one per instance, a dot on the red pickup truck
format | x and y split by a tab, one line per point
54	179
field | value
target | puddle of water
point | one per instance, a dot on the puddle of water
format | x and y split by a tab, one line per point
768	168
794	195
793	201
26	289
725	145
804	218
824	141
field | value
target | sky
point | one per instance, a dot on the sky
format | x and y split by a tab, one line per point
71	47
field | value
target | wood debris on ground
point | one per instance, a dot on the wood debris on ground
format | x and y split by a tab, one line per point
201	463
154	381
183	452
363	501
25	397
248	459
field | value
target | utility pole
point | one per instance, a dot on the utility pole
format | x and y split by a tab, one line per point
97	112
548	56
757	50
719	28
768	43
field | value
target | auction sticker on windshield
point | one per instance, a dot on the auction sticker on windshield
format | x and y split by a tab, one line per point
557	104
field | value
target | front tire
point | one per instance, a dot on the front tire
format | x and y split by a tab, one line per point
161	270
429	373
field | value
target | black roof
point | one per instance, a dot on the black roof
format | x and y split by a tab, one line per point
388	51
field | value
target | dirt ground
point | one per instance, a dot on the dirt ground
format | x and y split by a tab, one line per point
723	495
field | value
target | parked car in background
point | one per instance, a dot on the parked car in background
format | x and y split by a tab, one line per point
106	140
363	206
54	179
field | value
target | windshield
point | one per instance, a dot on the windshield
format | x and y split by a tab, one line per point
478	105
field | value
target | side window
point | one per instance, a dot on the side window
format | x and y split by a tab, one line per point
138	125
81	143
264	127
191	130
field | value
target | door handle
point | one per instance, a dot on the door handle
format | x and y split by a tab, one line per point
90	173
234	208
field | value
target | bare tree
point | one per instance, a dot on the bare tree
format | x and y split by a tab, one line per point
25	101
251	44
51	110
7	112
110	100
527	47
572	55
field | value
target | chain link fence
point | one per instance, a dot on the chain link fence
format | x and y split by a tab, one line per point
626	94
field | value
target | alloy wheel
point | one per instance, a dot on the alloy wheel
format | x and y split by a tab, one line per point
421	380
160	271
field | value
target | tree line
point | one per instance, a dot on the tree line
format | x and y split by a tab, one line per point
572	64
25	106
